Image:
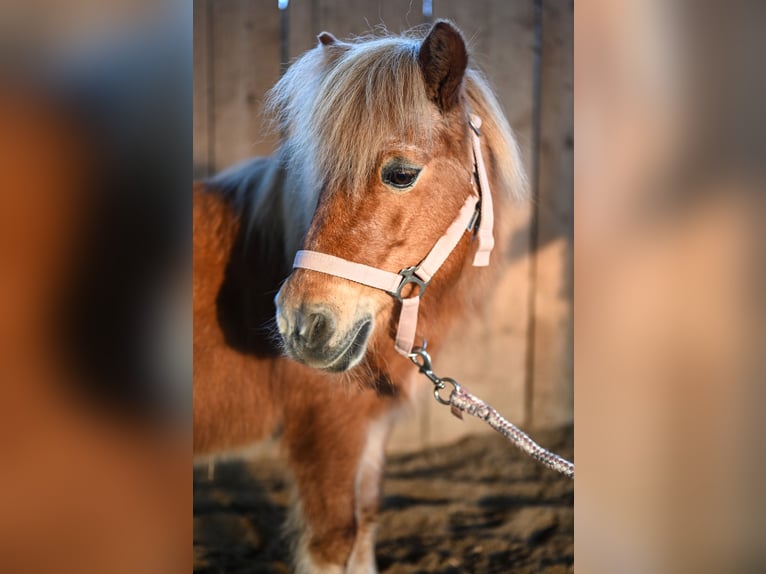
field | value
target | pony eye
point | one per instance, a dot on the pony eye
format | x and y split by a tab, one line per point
400	176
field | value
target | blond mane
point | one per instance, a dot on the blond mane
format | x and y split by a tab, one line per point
338	106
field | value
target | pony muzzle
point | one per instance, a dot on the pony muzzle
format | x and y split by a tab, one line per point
313	335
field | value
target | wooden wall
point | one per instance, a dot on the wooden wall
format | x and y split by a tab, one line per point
518	354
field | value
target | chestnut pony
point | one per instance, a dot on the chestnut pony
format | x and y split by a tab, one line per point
374	164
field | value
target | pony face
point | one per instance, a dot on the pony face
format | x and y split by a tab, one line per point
410	199
388	141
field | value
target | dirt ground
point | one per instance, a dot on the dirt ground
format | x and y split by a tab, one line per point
476	506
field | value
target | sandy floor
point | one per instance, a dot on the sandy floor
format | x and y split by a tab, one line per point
477	506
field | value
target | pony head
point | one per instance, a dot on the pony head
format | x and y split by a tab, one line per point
375	137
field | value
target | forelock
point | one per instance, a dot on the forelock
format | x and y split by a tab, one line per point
340	113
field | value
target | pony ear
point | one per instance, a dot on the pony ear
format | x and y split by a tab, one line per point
443	59
327	39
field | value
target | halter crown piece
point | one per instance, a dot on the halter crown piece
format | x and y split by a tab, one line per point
476	206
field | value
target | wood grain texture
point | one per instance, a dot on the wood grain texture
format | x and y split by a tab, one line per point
553	391
303	26
346	18
203	85
246	50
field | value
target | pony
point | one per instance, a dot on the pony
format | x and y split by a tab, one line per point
374	163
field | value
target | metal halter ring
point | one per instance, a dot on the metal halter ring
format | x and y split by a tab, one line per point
408	276
422	359
441	385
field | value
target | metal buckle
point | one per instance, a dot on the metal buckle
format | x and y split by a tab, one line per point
474	219
474	127
408	276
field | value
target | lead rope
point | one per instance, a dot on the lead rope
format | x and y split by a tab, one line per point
460	400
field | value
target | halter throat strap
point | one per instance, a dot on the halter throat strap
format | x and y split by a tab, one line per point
478	204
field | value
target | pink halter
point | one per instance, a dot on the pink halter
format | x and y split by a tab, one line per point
420	274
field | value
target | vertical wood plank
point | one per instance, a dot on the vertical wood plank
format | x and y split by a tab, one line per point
202	86
553	389
304	26
246	62
345	18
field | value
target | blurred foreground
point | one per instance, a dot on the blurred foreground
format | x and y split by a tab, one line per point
95	393
669	275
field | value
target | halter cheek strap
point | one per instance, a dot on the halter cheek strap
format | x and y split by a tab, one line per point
487	223
420	275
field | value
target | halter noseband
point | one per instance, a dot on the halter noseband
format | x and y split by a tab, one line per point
476	206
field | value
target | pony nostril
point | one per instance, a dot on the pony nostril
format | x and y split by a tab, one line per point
317	324
315	330
319	329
